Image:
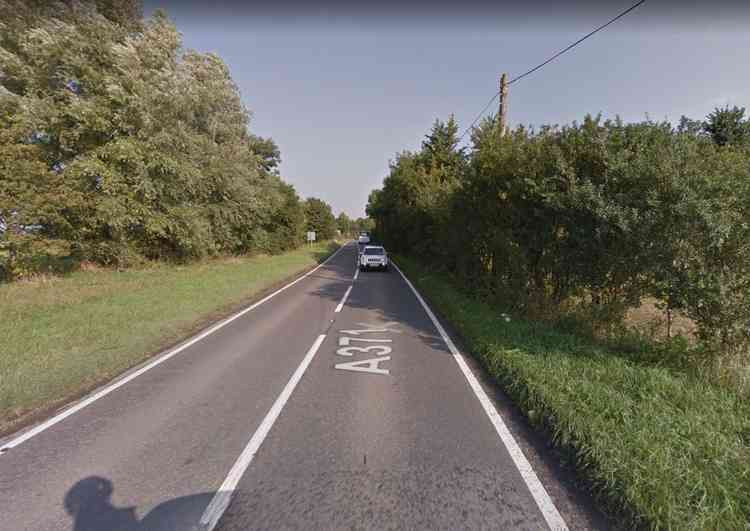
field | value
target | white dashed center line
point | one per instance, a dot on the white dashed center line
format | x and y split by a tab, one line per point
343	301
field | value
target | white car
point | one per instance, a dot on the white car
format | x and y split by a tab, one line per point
373	256
364	238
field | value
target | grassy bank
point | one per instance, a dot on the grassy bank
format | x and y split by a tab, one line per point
60	336
664	449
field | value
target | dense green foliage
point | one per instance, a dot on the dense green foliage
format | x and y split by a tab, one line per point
350	228
118	145
320	218
344	224
728	126
590	217
661	448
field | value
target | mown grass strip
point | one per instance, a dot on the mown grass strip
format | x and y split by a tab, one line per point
664	449
61	336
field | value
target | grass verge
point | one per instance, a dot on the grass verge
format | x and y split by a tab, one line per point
62	336
664	449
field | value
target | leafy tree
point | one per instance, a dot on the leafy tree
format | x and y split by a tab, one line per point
287	224
440	147
364	224
267	152
320	218
728	126
117	145
344	224
412	209
127	13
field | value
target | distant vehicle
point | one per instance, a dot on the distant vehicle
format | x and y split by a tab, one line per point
373	256
364	238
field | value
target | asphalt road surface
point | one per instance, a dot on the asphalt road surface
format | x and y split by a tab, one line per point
336	403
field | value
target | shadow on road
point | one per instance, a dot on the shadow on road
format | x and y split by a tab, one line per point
88	503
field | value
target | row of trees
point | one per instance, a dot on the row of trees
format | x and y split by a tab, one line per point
320	219
118	145
593	216
351	227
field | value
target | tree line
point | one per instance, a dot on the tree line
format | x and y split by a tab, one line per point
585	219
117	145
352	227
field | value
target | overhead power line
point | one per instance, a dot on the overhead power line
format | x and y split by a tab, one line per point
481	113
558	54
579	41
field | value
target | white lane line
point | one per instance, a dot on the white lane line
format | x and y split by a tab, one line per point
113	386
538	492
356	273
221	499
343	301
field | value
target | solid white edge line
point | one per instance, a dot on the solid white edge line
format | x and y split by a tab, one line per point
343	300
538	492
119	383
223	496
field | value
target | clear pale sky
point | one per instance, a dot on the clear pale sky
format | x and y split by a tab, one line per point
341	90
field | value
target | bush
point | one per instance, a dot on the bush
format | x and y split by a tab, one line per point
589	218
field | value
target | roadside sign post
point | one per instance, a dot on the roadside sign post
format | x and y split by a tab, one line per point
311	236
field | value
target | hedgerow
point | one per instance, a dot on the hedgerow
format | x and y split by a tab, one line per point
591	217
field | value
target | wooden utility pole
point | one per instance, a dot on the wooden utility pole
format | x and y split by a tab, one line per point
503	113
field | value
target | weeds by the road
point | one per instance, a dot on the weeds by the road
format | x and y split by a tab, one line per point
62	335
666	448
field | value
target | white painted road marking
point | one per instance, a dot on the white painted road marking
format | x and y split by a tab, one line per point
115	385
356	273
343	300
348	351
346	341
221	499
370	365
538	492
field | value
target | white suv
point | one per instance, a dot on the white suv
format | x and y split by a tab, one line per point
373	256
364	238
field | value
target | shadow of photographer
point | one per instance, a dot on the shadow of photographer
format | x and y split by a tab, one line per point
89	504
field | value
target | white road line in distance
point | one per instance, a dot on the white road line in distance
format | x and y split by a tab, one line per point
538	492
343	300
223	496
161	359
356	273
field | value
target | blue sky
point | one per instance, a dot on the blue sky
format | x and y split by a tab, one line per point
342	91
